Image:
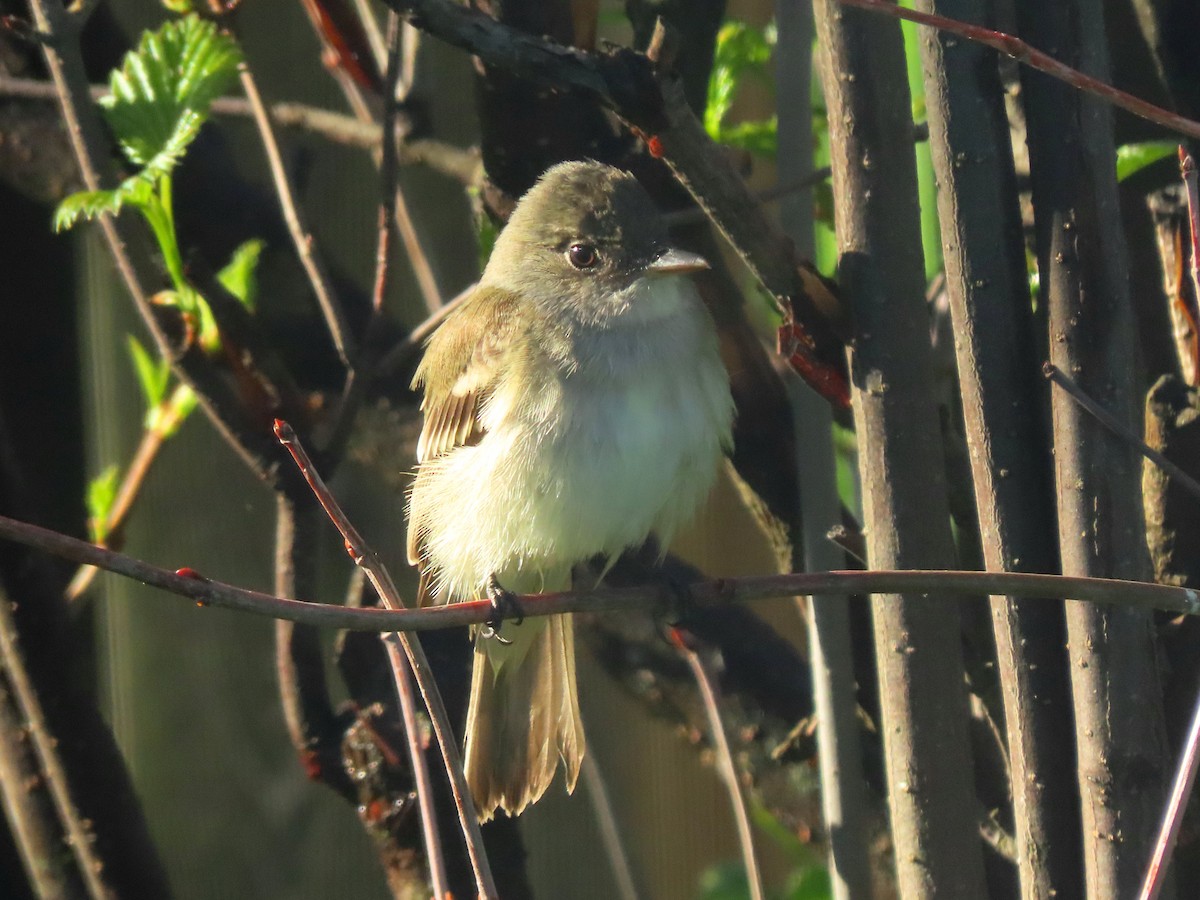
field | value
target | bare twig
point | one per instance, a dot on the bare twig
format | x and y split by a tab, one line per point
404	351
1017	49
1181	791
725	764
331	308
206	592
610	833
79	837
420	768
352	90
381	579
461	164
695	215
131	485
1191	185
1105	418
91	150
370	26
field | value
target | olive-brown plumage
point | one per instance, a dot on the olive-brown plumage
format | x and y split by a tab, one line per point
574	404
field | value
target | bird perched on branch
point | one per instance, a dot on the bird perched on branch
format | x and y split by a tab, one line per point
574	404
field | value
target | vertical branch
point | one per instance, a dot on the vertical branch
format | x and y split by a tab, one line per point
77	831
993	328
420	769
381	580
1120	734
843	791
725	763
929	767
302	239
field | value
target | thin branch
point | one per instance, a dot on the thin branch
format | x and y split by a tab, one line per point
1181	791
420	767
1017	49
381	579
78	834
1105	418
610	832
331	308
1191	185
459	163
408	348
91	150
206	592
130	489
725	764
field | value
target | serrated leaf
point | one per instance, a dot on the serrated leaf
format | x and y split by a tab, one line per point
101	495
161	94
1132	158
85	205
240	275
135	191
152	374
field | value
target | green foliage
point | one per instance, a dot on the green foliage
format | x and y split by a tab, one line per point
240	275
165	412
727	881
153	375
161	94
101	495
1132	158
135	191
160	98
741	51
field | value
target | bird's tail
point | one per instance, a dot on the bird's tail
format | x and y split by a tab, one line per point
523	715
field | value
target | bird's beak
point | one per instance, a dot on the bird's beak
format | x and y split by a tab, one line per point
677	262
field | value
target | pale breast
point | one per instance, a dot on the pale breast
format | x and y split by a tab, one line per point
624	444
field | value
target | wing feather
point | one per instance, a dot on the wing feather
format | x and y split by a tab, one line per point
462	364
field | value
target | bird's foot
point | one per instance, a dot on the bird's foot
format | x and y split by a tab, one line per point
504	604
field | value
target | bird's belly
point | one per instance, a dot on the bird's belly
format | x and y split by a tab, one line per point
620	458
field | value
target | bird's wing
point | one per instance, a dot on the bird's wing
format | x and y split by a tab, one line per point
463	362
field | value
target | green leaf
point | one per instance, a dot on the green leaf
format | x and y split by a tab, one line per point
240	275
152	374
101	495
166	418
136	191
85	205
161	94
809	883
757	137
740	50
724	881
1132	158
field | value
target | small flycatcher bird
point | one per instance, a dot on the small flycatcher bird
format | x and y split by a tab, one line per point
574	404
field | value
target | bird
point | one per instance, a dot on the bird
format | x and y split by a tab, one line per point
574	405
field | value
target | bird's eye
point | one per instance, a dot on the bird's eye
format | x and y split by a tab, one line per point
582	256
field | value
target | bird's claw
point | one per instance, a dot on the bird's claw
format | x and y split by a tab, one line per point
504	603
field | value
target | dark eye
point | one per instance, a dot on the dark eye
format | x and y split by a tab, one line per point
582	256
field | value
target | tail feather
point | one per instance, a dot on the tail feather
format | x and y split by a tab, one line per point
522	718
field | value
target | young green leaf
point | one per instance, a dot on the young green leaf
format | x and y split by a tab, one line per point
240	275
101	494
85	205
165	419
152	374
162	92
741	50
1132	158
